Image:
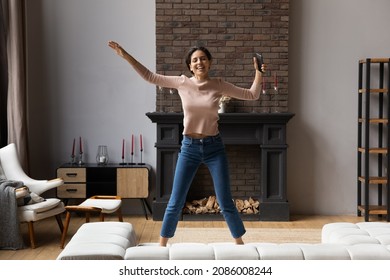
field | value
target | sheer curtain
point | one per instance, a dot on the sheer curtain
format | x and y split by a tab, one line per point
3	80
13	11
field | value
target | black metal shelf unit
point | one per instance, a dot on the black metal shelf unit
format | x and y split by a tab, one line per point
373	150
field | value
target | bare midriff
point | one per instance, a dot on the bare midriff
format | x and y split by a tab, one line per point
196	135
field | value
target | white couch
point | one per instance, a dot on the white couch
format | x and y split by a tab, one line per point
340	241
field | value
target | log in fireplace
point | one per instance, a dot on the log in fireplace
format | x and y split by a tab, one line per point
266	130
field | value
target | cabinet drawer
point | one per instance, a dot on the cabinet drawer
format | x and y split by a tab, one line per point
72	174
72	191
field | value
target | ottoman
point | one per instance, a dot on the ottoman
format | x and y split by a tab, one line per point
95	204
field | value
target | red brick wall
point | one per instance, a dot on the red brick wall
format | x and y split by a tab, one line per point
232	30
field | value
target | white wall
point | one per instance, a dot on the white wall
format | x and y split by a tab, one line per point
327	38
78	87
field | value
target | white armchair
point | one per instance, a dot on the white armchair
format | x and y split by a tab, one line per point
31	213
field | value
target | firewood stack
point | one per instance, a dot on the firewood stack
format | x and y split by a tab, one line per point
210	206
247	206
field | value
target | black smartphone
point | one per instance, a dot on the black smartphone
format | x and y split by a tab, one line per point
260	61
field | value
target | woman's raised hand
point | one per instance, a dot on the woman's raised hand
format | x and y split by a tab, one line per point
257	67
119	50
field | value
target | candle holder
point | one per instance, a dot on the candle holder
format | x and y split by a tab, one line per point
275	83
131	159
102	155
72	159
123	162
81	162
141	163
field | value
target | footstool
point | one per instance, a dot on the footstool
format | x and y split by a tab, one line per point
101	204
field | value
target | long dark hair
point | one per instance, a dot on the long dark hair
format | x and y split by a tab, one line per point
194	49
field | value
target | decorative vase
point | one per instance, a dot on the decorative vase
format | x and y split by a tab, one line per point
102	155
222	107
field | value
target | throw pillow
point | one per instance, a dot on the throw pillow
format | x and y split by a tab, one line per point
30	198
2	175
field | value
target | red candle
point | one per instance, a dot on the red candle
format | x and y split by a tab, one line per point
263	84
81	146
140	142
132	144
74	144
276	81
123	149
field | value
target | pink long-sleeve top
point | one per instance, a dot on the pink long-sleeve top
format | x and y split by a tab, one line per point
200	99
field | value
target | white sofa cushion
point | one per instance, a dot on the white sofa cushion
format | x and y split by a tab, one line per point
359	233
92	251
230	251
140	252
100	240
368	252
191	251
284	251
125	230
324	252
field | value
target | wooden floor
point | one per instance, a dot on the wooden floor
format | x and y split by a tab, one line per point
48	235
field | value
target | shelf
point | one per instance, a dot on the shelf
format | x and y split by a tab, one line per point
373	137
374	180
374	150
374	121
374	90
373	209
375	60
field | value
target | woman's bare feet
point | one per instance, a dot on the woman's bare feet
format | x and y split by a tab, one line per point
239	241
163	241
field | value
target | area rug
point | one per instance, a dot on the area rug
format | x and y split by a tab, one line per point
273	235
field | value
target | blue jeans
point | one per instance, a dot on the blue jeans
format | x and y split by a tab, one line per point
194	152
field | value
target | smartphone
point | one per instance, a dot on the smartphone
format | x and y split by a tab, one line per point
260	61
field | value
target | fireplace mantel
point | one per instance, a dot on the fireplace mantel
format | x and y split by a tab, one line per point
268	130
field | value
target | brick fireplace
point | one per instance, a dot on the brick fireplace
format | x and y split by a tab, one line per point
265	131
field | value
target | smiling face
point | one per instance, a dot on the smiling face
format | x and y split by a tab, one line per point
200	65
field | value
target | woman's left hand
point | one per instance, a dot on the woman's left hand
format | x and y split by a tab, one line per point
263	66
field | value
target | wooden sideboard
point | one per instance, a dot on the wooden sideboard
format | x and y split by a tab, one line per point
83	181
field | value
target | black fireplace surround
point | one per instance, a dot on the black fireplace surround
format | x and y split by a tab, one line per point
268	130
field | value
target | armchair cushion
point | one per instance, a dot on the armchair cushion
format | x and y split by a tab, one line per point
41	206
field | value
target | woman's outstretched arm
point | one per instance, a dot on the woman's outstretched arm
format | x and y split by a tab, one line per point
145	73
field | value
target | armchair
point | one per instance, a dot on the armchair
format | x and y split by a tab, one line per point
31	213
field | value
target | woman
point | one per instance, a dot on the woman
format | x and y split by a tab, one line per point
201	143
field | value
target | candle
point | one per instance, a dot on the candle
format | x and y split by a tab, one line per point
263	85
81	146
123	148
140	142
276	81
132	144
74	144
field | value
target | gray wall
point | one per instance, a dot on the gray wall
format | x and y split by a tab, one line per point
78	87
327	39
